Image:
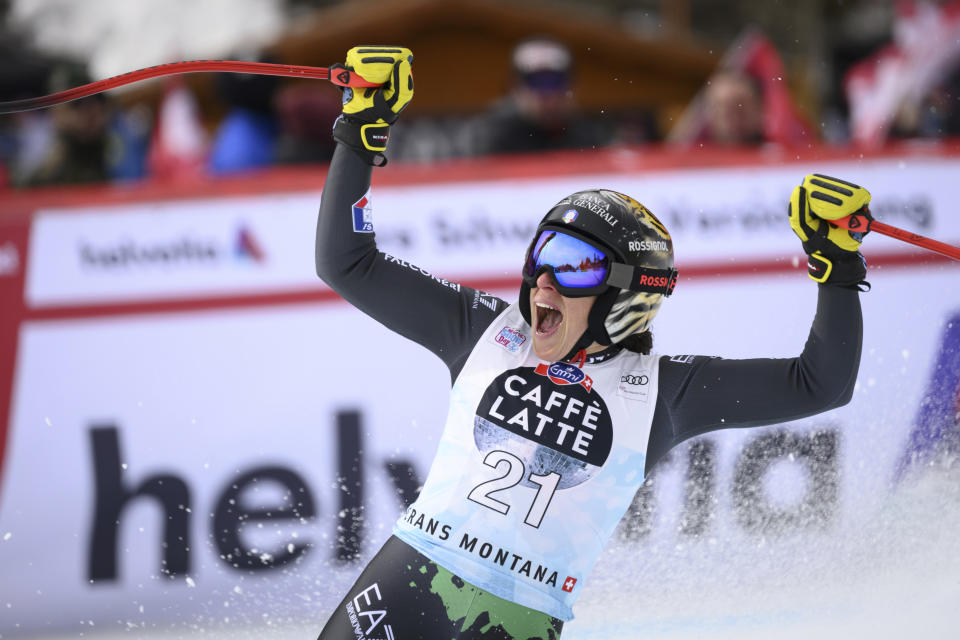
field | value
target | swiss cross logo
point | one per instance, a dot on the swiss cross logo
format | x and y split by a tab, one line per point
569	584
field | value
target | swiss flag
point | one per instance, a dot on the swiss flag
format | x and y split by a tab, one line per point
569	584
752	54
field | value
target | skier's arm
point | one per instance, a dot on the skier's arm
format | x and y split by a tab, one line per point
443	316
700	394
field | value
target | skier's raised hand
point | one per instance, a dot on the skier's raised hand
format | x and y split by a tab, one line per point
833	253
364	125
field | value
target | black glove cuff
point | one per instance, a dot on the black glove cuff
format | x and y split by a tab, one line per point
368	140
819	268
843	269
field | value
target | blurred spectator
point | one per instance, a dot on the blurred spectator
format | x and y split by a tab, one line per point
540	112
745	102
84	141
76	152
25	142
305	113
246	137
936	115
24	136
734	106
433	138
130	132
927	116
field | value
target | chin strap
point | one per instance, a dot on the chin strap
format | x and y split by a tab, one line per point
595	331
579	347
580	358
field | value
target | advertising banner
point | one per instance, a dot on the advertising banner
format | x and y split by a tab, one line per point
233	464
459	230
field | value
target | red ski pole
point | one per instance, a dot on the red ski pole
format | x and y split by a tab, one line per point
860	222
342	77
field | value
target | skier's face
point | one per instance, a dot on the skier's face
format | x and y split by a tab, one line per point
558	321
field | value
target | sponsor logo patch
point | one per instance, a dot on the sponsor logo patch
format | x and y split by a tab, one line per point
564	373
485	299
570	216
638	246
510	339
562	416
362	215
598	206
181	251
634	384
403	263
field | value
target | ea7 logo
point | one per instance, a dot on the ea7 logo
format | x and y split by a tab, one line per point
487	300
363	606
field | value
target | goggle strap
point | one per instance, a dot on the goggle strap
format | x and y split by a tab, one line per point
621	276
624	276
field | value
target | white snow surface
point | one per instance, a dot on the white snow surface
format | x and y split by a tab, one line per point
890	571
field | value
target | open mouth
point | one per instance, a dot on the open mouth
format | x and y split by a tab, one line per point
548	319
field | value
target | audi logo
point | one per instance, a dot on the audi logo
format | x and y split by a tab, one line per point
635	380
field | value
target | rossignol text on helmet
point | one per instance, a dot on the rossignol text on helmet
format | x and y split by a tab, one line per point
603	243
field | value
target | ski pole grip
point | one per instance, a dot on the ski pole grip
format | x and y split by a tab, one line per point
856	222
347	78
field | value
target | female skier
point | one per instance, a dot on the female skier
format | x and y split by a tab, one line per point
558	404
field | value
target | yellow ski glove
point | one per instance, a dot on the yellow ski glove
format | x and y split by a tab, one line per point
833	252
364	125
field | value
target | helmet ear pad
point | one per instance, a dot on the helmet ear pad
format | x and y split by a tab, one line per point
596	329
524	303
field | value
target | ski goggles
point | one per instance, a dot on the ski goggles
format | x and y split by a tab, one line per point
580	267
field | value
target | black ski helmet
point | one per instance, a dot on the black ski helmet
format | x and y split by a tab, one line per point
637	240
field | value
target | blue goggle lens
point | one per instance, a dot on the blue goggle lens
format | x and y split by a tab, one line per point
574	263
